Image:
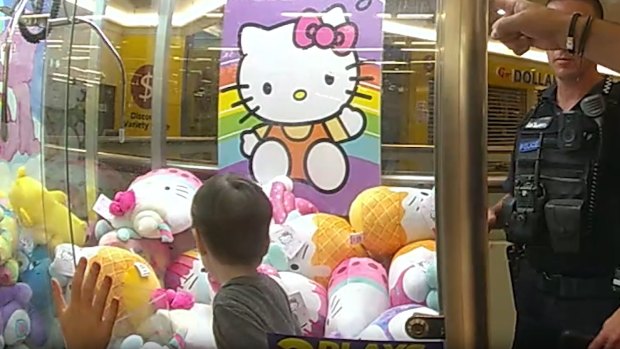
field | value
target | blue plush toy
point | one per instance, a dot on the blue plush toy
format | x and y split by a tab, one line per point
432	299
38	278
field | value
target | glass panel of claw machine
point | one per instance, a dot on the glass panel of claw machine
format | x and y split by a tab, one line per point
52	53
357	258
95	46
26	313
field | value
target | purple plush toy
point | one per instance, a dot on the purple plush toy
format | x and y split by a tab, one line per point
18	323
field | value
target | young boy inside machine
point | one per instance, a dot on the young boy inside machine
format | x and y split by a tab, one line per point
231	217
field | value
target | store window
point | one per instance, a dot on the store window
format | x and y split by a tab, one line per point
407	66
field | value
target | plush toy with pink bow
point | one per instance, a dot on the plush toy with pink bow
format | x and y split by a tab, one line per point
156	205
285	204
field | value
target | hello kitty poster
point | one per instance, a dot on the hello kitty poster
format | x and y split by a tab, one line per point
300	95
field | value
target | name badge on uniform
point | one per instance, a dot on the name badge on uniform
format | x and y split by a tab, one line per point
539	123
526	146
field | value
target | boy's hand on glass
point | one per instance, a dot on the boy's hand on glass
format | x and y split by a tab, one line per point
84	320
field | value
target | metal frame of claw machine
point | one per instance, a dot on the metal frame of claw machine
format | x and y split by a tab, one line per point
461	175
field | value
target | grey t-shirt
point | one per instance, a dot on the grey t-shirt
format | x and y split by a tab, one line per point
248	308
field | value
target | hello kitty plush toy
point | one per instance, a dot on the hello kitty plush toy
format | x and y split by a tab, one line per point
358	294
413	276
391	217
313	245
156	205
308	301
303	100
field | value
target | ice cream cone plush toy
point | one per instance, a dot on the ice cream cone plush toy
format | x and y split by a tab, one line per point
389	218
133	283
313	245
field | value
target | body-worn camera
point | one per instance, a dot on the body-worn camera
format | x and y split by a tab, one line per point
571	131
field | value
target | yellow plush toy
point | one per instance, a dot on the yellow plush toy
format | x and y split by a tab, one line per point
133	283
45	213
9	236
390	218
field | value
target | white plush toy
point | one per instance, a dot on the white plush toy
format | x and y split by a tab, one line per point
198	322
308	301
413	276
390	326
62	267
358	293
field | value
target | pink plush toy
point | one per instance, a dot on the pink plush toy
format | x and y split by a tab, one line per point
172	300
284	201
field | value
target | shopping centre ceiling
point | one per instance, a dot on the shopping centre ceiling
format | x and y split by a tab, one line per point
146	5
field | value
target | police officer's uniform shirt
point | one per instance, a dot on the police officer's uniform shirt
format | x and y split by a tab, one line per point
597	256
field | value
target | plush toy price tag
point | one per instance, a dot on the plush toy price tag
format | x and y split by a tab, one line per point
143	270
356	239
298	306
102	207
287	239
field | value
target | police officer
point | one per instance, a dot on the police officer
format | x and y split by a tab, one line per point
562	210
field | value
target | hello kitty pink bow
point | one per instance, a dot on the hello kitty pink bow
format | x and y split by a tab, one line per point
312	31
124	202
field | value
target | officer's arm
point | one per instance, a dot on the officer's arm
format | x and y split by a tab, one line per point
603	45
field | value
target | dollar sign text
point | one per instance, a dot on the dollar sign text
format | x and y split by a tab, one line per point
147	83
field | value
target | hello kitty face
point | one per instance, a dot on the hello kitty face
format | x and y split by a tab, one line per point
170	194
293	74
419	211
196	282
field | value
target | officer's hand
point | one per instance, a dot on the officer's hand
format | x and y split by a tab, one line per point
609	337
527	24
491	219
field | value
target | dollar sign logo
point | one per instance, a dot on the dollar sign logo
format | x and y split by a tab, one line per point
142	86
147	83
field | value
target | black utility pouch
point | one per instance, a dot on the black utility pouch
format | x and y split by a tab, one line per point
564	223
524	212
522	225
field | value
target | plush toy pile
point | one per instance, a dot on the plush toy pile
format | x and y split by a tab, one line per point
360	278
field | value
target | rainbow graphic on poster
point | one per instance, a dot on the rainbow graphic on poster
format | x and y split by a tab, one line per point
300	96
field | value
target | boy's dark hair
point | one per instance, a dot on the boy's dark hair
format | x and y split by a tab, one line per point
232	216
596	5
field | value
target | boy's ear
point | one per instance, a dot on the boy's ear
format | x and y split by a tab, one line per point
266	244
199	243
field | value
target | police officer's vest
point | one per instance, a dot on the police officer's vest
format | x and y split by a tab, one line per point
556	171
